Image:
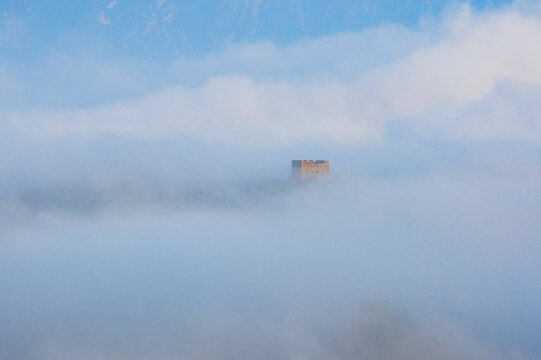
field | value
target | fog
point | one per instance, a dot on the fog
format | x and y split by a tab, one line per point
147	210
356	266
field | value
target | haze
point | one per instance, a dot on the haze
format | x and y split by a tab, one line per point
146	205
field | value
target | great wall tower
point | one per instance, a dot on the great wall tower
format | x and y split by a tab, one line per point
309	169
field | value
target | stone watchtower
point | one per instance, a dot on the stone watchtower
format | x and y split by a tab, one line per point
309	169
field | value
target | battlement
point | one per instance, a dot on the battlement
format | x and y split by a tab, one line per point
309	169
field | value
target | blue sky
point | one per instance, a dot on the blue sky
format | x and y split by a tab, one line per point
166	29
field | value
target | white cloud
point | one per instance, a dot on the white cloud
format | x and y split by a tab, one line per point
112	4
150	25
429	86
226	108
256	7
168	18
102	19
464	67
12	27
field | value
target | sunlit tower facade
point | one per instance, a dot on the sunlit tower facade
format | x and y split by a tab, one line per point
309	169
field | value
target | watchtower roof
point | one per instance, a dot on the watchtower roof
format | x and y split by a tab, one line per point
310	163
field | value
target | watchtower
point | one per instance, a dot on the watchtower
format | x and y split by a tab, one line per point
309	169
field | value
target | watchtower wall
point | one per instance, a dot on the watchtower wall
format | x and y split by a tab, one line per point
309	169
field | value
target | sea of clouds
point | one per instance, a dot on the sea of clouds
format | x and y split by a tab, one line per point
146	209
